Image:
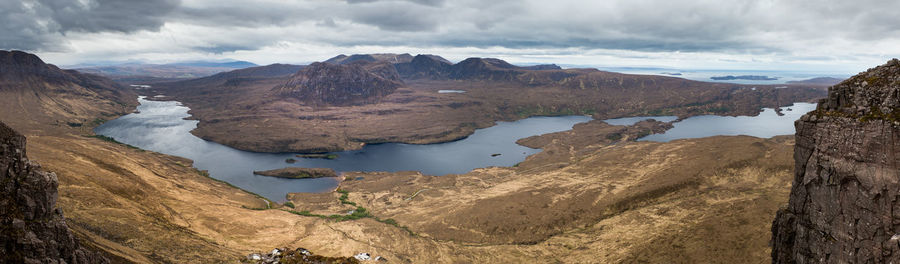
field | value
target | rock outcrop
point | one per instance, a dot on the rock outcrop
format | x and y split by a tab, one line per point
331	84
32	228
844	205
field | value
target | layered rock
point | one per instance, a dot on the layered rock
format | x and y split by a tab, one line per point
32	228
330	84
844	205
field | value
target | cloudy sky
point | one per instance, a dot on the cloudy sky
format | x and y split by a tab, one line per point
798	35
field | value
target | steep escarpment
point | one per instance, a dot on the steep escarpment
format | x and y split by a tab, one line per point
330	84
36	93
32	228
843	205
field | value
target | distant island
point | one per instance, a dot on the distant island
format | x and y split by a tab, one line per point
671	73
744	77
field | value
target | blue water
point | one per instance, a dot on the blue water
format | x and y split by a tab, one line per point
159	126
766	124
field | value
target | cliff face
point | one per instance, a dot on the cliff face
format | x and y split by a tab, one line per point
354	83
844	205
32	229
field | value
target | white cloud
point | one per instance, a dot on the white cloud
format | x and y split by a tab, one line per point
817	34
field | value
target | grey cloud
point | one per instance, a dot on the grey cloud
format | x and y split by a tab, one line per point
743	26
109	15
219	49
421	2
395	16
22	28
246	15
42	24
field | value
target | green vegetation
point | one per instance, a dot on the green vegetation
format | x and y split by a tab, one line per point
344	195
317	156
289	204
113	140
720	109
643	134
549	111
659	112
614	136
359	213
73	124
97	122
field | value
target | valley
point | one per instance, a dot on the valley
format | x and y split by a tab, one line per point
248	113
592	193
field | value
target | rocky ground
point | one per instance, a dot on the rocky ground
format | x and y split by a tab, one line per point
32	228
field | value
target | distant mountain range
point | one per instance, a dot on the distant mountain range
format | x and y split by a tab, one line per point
744	77
819	80
181	70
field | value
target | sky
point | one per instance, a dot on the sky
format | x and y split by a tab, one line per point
791	35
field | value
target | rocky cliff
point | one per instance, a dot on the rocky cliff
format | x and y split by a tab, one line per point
354	83
844	205
32	228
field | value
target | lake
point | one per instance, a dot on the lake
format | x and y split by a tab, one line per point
765	125
160	126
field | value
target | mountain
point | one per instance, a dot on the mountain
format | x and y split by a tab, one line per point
236	77
818	80
376	57
333	84
181	70
32	228
542	67
230	64
484	69
424	67
38	93
843	206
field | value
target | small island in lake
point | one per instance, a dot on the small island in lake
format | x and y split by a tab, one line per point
317	156
298	173
744	77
